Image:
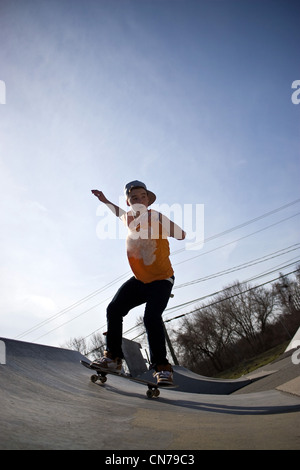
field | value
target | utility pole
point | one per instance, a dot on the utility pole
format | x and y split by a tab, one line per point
175	361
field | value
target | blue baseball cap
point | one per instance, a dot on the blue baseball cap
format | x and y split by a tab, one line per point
139	184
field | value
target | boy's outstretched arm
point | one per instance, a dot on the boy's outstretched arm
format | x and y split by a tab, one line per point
176	231
115	209
173	229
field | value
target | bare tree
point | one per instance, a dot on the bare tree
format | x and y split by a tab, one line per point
249	309
96	346
239	314
77	344
288	293
93	349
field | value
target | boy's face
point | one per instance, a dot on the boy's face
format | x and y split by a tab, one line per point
138	196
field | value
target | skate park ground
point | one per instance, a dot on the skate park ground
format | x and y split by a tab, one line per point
48	402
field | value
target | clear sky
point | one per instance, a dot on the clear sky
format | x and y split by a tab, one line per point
193	97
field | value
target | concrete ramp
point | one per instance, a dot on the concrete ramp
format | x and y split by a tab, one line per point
46	365
47	401
58	367
188	381
191	382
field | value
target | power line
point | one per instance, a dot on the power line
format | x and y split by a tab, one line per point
209	295
72	306
234	295
238	239
212	276
244	224
172	308
248	264
72	319
102	289
185	304
218	292
217	301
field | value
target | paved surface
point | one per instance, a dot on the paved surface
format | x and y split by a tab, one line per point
47	401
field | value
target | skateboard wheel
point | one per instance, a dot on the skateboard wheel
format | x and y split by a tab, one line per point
156	393
94	378
149	393
103	380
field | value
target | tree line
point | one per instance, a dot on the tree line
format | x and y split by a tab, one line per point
240	322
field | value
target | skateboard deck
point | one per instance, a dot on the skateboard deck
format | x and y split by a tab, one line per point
153	388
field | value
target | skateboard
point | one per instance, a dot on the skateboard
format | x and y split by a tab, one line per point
153	388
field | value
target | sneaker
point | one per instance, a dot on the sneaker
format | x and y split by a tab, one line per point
164	374
107	363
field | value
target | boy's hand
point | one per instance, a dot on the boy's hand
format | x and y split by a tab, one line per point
99	195
115	209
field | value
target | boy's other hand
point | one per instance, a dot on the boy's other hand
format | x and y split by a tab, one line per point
99	195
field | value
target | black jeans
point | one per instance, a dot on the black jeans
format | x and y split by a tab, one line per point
132	293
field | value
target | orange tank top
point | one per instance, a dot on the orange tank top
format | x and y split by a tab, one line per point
147	246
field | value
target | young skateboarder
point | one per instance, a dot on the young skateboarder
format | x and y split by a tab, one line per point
148	255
